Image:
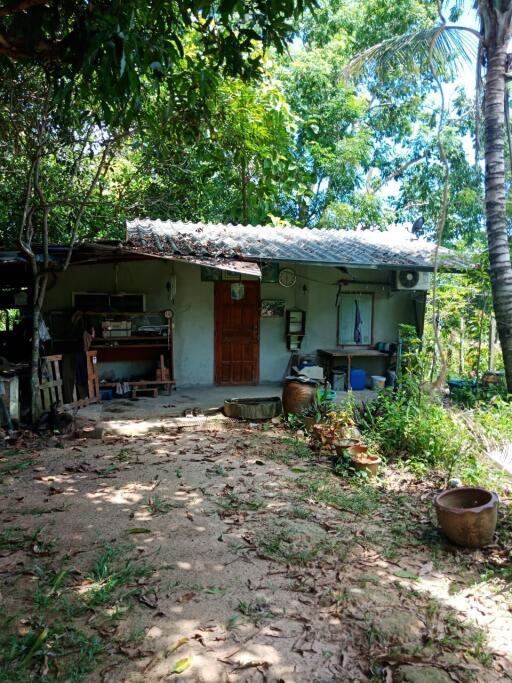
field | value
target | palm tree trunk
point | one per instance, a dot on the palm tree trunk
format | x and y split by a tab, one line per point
495	210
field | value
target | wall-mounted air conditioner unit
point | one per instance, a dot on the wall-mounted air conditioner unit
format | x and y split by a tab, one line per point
412	279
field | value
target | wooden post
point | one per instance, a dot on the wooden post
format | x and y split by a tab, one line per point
492	344
93	379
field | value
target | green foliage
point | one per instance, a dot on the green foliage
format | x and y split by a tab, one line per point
26	658
53	647
325	488
422	180
304	147
197	139
409	425
110	574
117	51
463	317
495	419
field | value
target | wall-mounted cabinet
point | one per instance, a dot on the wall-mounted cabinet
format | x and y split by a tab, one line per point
295	328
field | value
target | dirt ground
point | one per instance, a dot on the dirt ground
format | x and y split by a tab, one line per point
230	552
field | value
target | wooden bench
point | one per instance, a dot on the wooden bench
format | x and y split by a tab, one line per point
139	385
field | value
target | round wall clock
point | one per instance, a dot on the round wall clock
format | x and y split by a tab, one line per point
287	277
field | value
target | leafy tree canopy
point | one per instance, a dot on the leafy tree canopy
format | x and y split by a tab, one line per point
225	128
110	48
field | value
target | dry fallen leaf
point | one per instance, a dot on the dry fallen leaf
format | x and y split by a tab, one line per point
150	599
186	597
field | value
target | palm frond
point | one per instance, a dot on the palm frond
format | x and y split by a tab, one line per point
451	47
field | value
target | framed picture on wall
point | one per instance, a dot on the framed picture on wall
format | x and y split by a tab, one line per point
355	319
273	308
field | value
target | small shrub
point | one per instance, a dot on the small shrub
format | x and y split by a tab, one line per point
495	418
407	424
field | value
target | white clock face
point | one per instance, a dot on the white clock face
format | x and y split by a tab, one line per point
287	277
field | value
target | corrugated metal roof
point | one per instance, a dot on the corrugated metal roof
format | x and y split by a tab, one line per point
395	249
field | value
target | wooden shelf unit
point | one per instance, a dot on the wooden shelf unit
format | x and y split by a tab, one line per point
135	347
295	328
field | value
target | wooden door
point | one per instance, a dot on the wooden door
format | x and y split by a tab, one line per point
237	334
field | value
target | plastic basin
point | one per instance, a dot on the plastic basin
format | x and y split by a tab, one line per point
253	408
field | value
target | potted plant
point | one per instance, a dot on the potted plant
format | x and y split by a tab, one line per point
310	416
363	461
316	413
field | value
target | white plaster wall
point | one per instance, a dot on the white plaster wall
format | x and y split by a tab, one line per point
274	355
390	309
193	310
315	292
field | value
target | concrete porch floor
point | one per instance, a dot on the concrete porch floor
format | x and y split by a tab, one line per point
118	413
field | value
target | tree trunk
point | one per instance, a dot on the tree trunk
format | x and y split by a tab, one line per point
497	238
35	402
37	302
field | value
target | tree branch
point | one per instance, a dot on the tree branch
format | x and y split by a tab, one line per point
101	165
20	6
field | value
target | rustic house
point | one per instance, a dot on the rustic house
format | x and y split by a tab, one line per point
203	304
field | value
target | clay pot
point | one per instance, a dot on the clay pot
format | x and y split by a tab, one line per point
297	396
467	515
366	462
343	445
358	450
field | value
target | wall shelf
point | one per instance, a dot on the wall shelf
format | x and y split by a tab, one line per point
295	328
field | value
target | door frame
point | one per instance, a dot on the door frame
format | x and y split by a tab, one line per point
217	334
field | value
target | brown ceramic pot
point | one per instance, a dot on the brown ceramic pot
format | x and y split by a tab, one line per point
467	515
344	445
366	462
358	450
297	396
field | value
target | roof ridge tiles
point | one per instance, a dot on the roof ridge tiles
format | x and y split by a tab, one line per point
390	249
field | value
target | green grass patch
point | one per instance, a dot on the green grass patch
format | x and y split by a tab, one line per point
157	505
326	488
233	502
113	577
300	544
299	512
16	538
47	654
11	467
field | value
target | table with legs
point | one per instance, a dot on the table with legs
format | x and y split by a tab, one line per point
328	357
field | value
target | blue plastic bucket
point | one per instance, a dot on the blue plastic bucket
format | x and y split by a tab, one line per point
357	379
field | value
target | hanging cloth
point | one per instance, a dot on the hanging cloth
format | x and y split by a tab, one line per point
358	322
